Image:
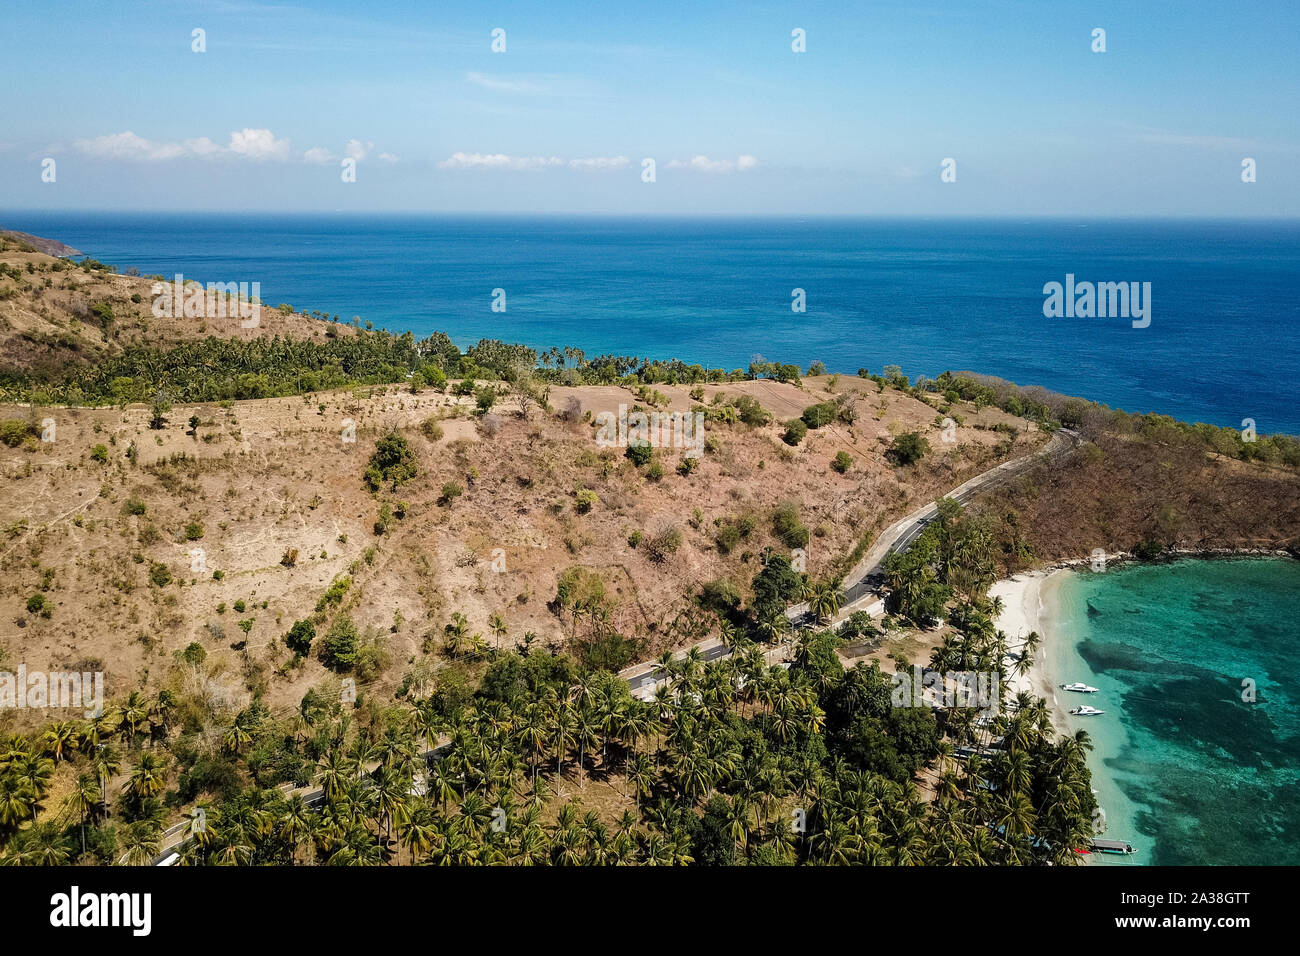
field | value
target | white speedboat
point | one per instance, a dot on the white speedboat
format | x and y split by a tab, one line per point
1086	711
1079	687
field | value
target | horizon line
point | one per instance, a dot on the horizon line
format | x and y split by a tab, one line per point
795	217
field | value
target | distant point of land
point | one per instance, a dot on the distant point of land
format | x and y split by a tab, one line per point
51	247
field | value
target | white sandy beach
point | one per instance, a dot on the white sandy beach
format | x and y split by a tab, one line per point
1029	600
1031	603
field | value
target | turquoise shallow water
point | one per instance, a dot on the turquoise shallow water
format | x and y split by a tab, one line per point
1184	769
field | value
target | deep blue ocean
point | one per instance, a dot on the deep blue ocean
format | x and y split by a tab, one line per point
1222	345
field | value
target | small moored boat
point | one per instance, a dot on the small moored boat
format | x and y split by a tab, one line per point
1122	847
1086	711
1079	687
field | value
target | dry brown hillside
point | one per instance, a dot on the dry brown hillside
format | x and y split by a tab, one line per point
104	519
1120	490
54	313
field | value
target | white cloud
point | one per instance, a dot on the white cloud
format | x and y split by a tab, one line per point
705	165
202	146
498	161
503	161
258	144
498	84
599	162
255	144
357	150
249	143
129	146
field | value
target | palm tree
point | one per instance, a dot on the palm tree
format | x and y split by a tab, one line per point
824	600
238	735
105	763
83	800
334	773
134	712
499	628
295	824
642	775
419	833
774	627
584	735
457	634
45	845
141	842
16	801
147	778
35	771
562	733
161	709
59	737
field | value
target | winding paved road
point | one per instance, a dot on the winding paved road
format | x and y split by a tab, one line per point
861	584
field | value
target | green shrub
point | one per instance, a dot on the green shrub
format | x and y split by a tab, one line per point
338	649
14	431
823	413
393	463
751	412
727	538
720	595
334	593
788	527
639	453
663	544
843	461
795	430
300	637
908	448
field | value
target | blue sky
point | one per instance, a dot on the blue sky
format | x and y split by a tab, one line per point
736	121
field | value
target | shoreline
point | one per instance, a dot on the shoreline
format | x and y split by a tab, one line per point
1030	604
